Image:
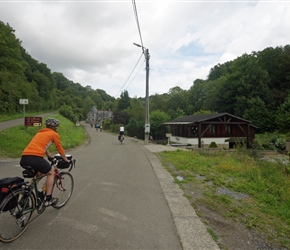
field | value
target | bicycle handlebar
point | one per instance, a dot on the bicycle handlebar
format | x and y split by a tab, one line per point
56	160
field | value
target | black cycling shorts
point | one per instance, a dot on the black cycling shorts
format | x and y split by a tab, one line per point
38	163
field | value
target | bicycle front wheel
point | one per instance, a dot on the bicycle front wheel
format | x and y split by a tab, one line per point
62	188
15	214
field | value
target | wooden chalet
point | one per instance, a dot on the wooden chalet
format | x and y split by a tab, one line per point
222	128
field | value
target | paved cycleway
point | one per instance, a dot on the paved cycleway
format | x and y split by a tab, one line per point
123	199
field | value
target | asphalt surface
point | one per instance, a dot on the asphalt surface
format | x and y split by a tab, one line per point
123	199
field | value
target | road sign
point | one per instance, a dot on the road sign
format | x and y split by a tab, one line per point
33	121
23	101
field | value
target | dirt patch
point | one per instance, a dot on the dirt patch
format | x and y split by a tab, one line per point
230	234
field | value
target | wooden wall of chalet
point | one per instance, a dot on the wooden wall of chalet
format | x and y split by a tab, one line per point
235	131
191	131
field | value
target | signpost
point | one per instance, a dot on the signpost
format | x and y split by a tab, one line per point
30	121
23	102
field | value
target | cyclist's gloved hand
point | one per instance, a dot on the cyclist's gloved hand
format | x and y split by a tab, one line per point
50	158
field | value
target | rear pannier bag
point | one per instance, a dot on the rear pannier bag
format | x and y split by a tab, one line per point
6	185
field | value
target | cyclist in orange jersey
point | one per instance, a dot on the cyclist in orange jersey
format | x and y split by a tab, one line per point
33	155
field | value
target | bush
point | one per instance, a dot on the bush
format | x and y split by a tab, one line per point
213	145
280	143
107	124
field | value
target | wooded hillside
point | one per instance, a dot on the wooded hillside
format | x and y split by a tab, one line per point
254	87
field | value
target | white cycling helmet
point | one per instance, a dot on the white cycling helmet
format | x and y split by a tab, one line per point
52	123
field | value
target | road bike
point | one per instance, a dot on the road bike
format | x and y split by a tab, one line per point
24	198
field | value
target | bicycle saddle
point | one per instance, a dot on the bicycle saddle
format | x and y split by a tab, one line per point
29	172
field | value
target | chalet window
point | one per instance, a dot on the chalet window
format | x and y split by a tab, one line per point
228	129
212	129
194	131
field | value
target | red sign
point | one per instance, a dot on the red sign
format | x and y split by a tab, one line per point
33	121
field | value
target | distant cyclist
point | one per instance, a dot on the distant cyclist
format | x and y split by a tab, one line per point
33	155
97	126
122	131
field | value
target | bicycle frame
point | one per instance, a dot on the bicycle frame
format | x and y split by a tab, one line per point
33	187
19	213
29	188
57	173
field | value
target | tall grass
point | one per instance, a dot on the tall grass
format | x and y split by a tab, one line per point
14	140
266	208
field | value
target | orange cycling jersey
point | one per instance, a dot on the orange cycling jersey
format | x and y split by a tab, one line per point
42	141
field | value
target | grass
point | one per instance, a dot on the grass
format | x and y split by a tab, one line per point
14	140
6	117
265	187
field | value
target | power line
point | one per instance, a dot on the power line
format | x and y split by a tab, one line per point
137	21
136	73
139	30
130	75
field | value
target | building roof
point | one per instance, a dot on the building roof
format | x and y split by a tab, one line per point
201	118
93	110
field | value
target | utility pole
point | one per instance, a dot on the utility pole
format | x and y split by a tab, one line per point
147	118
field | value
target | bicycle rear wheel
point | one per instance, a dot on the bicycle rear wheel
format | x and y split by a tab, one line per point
62	188
15	214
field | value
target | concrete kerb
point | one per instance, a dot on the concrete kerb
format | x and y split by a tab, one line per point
192	232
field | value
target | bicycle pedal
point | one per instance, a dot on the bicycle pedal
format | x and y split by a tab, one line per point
41	208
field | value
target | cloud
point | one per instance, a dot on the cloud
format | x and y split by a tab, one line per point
91	42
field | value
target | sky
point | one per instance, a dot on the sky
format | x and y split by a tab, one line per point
91	42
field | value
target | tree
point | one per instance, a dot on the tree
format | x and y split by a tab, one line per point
88	103
67	112
62	83
197	94
124	101
283	116
136	110
105	96
247	79
10	51
258	114
157	118
177	98
219	70
135	128
159	102
120	117
97	98
218	96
